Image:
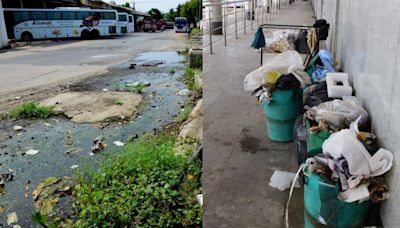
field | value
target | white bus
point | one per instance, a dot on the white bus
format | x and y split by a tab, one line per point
181	24
131	23
122	23
62	22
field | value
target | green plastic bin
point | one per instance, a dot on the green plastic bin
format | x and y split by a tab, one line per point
281	113
321	205
314	142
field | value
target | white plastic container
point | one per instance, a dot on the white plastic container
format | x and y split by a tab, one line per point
338	85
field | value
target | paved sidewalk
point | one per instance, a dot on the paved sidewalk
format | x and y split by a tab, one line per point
238	158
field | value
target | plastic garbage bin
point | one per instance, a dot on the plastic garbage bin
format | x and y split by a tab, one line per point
314	142
322	206
281	113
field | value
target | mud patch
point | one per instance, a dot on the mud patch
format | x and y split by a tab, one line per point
250	144
95	106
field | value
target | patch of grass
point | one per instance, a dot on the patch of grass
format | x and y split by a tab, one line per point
119	102
32	109
196	31
184	114
172	71
117	85
143	185
188	77
184	61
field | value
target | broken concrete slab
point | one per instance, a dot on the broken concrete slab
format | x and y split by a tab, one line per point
193	126
95	106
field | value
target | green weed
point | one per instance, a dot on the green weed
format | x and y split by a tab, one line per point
32	109
143	185
172	71
119	102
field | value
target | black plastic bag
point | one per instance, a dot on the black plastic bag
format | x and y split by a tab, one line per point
301	42
300	140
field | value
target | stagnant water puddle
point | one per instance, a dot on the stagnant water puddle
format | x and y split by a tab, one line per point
63	143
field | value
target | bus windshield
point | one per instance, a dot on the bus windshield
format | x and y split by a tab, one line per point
122	17
181	21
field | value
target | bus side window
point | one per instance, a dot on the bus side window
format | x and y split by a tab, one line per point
108	15
21	16
69	15
38	16
54	15
81	15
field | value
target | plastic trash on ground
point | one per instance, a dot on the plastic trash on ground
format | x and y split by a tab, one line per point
282	180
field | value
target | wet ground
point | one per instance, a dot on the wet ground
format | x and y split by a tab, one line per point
63	143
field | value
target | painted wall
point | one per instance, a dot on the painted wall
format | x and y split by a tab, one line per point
368	47
3	31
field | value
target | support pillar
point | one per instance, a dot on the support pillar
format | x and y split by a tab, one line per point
216	15
3	30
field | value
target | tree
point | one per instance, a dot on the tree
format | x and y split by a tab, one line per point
126	5
156	14
191	10
170	16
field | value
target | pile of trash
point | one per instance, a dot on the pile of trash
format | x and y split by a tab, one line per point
333	139
284	72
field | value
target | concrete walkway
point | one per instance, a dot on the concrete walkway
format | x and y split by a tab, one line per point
238	158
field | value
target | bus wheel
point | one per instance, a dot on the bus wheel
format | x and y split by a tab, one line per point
85	34
94	34
26	36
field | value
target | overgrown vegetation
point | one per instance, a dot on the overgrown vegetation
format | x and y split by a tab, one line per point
32	109
189	77
172	71
196	31
145	185
184	114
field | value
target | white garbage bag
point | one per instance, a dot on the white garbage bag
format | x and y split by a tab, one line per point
281	63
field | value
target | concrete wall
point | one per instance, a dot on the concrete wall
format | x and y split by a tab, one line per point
3	31
368	47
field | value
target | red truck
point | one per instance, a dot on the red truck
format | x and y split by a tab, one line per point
149	25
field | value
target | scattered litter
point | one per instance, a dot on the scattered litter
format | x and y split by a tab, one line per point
199	198
18	128
105	90
119	143
12	218
16	226
48	193
6	177
282	180
152	64
98	144
184	92
17	98
32	152
26	192
2	209
132	66
47	124
74	166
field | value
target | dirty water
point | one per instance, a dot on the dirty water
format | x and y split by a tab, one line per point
62	143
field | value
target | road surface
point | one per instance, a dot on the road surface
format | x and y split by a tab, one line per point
31	69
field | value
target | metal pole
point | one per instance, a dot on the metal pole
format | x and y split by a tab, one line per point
251	14
225	23
244	19
236	34
262	14
210	28
257	15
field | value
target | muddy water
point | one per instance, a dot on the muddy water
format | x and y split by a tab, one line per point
64	143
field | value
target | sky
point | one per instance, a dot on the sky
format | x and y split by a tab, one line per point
146	5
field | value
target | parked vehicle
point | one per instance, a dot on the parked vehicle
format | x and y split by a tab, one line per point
149	25
160	24
169	25
181	24
123	22
61	22
131	23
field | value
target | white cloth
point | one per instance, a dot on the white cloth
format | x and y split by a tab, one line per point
345	143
